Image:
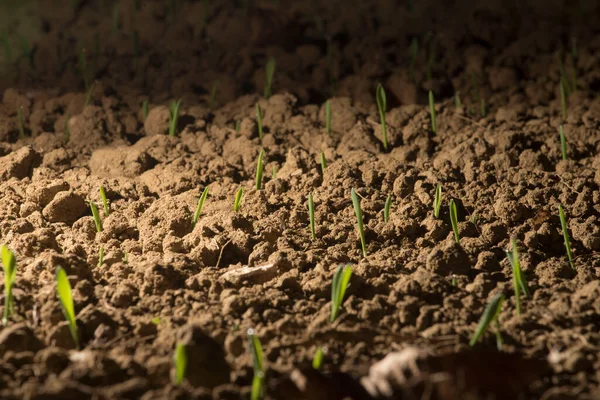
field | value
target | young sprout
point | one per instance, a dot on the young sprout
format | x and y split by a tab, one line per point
311	216
260	166
474	218
341	279
213	95
328	117
237	203
318	358
104	201
386	208
490	314
145	109
457	101
359	221
9	265
96	216
432	112
259	117
89	94
453	281
200	205
563	142
125	257
180	360
519	282
174	117
269	73
274	171
563	74
382	107
437	202
413	50
21	122
101	256
65	296
563	96
67	129
454	220
83	69
565	230
258	390
323	162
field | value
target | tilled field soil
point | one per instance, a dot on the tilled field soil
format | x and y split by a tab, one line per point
417	295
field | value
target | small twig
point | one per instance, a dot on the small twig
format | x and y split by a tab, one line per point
221	253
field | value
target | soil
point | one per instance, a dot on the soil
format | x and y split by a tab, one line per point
404	328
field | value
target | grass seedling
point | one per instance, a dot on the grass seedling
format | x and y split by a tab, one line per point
145	109
259	117
490	314
565	230
237	203
213	95
101	256
432	113
474	218
341	279
174	117
328	117
104	202
563	96
260	166
563	142
180	360
454	220
457	101
359	221
89	94
200	205
96	216
413	50
323	162
386	208
437	201
83	69
269	73
21	122
125	258
258	381
519	282
67	129
453	281
311	216
236	126
9	265
318	358
382	107
65	296
563	75
274	171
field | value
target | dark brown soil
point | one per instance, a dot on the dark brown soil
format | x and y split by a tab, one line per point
164	280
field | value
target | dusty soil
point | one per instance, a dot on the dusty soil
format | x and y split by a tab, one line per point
163	279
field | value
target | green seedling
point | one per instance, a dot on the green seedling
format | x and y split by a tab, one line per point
83	69
145	109
454	220
67	129
490	314
453	281
386	208
359	221
563	75
101	256
115	18
341	279
519	282
437	202
236	126
482	108
432	113
563	96
21	122
260	166
474	218
9	265
328	117
457	101
259	117
237	203
125	258
565	230
382	107
413	50
563	142
274	171
318	358
323	162
269	73
65	296
213	95
96	216
311	216
200	205
104	202
258	390
174	117
180	360
89	94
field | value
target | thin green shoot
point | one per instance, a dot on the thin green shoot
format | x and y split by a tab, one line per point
65	296
563	96
328	117
311	216
359	221
9	265
453	281
145	109
457	101
259	117
454	220
413	50
490	314
474	218
89	94
563	142
200	205
432	112
386	208
274	171
180	360
258	390
323	162
213	95
67	129
269	73
317	362
437	201
339	284
519	282
565	230
83	69
21	122
174	117
563	74
482	108
236	126
237	203
101	256
260	166
104	201
382	107
125	258
96	216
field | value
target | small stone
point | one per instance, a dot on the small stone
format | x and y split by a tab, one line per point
66	207
255	275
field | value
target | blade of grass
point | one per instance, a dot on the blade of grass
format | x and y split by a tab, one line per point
563	97
519	282
386	208
200	205
83	69
454	220
274	171
145	109
311	216
269	73
96	216
318	358
437	202
260	165
213	95
104	201
65	296
382	107
565	230
101	256
256	351
359	221
490	314
180	360
323	162
339	284
9	265
259	117
237	204
457	101
89	94
174	117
